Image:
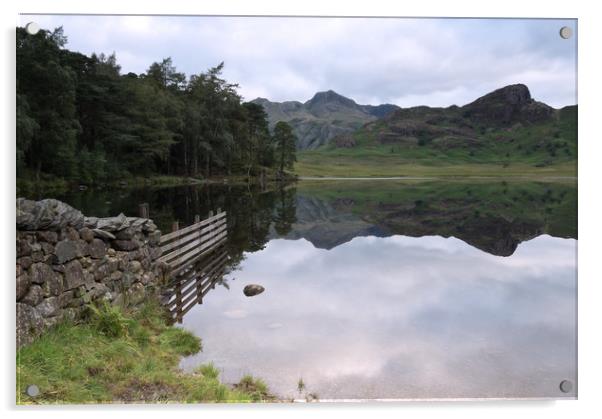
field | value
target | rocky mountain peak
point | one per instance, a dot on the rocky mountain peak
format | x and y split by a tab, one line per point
508	105
330	96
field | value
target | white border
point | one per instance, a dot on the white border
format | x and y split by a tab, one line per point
590	208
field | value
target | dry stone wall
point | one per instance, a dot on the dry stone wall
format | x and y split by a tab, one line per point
66	260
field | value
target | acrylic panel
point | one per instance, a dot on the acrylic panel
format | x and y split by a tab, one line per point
295	209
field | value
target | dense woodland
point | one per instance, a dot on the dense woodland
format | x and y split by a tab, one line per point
80	119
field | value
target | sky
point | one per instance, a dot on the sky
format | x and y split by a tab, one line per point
407	62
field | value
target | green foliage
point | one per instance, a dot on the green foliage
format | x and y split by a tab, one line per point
255	387
181	341
285	143
80	119
119	356
108	320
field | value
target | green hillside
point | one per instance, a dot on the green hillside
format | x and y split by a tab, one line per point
503	133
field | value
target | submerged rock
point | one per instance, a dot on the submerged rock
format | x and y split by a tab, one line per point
253	289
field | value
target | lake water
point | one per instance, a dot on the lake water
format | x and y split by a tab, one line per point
385	289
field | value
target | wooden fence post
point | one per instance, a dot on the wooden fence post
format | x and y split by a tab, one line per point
144	210
175	226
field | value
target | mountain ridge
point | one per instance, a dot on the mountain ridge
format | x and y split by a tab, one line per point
323	117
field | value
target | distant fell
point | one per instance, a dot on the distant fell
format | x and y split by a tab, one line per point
323	117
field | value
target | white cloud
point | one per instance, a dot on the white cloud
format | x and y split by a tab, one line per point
403	61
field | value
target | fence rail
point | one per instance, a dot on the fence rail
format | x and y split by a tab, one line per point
183	247
197	259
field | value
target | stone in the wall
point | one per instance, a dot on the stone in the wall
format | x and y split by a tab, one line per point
47	248
113	264
65	298
116	276
39	272
105	235
34	296
102	271
29	324
37	256
49	307
125	234
65	251
53	285
47	236
74	275
136	294
82	249
126	245
47	214
25	262
70	233
97	248
86	234
134	266
112	223
22	285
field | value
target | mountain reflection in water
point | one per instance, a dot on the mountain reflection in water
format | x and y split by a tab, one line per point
389	289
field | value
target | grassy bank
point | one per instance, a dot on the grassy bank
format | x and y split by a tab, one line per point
122	356
377	163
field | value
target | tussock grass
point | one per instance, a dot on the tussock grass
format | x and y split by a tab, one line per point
121	356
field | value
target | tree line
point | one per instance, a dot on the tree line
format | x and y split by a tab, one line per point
79	118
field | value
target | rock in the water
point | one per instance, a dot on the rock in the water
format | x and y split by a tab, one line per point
253	289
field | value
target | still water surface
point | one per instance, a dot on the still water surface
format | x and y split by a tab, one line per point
385	289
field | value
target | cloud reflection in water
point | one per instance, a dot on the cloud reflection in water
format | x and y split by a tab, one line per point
397	317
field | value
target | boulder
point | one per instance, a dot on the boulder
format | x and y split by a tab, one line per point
253	289
47	214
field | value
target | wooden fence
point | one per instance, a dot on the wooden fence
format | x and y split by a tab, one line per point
183	247
197	259
188	289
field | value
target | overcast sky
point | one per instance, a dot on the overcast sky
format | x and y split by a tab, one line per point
408	62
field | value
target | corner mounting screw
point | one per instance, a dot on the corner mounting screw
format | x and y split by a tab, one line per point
32	28
566	32
566	386
32	390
